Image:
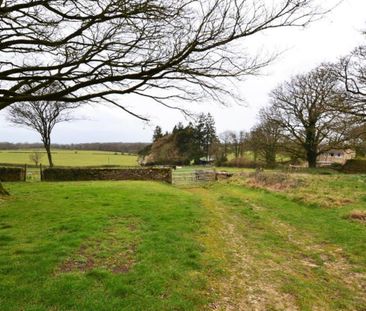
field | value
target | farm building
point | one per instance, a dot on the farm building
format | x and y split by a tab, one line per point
336	156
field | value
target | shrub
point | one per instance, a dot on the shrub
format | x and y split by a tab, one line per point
355	166
274	180
336	166
243	163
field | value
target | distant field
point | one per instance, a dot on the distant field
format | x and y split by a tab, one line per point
70	158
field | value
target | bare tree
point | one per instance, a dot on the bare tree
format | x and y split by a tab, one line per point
97	50
42	117
225	140
235	143
358	140
252	145
237	140
242	140
266	137
351	70
304	108
36	157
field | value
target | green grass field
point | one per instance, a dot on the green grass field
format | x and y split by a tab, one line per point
100	246
231	245
70	158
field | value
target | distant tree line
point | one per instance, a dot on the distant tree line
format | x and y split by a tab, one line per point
132	148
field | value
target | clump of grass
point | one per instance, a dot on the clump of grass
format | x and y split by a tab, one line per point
357	215
274	181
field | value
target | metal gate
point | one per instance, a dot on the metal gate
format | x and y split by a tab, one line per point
193	177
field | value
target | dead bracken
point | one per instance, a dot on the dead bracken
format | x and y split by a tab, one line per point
357	215
274	181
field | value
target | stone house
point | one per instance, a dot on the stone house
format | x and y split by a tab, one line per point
339	156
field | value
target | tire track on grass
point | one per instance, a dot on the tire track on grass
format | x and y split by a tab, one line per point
244	283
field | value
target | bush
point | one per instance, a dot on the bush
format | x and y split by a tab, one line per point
355	166
336	166
274	180
243	163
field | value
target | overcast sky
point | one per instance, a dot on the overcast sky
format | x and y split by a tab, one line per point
326	40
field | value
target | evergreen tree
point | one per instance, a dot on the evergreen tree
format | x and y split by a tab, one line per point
210	135
178	128
158	133
185	141
199	137
184	144
205	135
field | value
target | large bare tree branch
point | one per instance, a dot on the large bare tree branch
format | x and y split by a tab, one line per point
351	70
98	49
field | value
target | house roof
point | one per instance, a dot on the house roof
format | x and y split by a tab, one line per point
348	151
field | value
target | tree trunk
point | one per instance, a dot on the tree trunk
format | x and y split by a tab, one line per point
3	191
311	145
49	155
270	156
311	157
255	156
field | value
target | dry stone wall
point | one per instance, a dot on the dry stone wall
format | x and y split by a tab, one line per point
12	174
85	174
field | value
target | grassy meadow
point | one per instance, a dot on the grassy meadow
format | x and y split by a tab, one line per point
275	242
70	158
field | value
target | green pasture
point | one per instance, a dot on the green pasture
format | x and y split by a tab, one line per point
229	245
70	158
101	246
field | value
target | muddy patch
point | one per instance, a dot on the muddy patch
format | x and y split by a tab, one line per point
112	250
